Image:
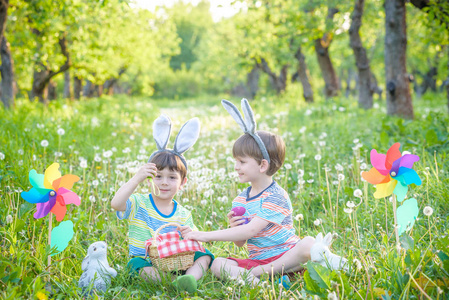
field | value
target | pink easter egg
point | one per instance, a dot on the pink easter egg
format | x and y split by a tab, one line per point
239	211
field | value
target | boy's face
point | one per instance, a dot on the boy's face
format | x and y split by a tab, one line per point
247	168
169	183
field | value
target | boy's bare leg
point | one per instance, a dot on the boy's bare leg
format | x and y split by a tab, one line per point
150	273
291	261
199	267
223	267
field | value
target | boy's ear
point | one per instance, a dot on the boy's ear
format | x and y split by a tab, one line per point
183	182
264	166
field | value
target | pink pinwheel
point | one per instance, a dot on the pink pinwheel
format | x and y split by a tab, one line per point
392	173
51	192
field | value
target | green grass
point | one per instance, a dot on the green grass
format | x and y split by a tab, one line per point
332	129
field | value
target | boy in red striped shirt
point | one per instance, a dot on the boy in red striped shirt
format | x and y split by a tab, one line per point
270	236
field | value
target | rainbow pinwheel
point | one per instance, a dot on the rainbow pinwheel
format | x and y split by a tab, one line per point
51	192
392	173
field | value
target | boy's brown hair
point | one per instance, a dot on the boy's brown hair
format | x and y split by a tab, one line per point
246	145
166	159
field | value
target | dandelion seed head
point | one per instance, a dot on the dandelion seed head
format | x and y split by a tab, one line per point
61	131
428	211
347	210
357	263
299	217
44	143
358	193
107	154
332	296
83	164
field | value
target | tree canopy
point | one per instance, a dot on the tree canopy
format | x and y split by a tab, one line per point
180	51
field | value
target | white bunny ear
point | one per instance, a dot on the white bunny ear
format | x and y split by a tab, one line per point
249	116
187	136
161	131
85	263
234	112
319	238
328	239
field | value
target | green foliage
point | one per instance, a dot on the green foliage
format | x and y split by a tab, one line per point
106	37
103	38
106	139
192	24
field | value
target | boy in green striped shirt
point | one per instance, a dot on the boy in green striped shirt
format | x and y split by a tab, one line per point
146	213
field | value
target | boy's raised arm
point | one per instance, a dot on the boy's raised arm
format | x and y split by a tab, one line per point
125	191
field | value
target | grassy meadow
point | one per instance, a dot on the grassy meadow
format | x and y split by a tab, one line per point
105	140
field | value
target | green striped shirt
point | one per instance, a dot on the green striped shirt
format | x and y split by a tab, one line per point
144	219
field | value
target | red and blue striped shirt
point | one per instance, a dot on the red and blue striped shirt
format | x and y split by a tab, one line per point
274	206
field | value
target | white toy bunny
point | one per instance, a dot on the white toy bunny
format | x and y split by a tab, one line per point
96	268
321	254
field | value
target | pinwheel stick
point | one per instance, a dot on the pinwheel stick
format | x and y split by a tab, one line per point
50	216
395	220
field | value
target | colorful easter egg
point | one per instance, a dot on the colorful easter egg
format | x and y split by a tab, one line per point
239	211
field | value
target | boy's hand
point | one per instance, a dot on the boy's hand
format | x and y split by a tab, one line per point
147	170
199	236
184	230
235	220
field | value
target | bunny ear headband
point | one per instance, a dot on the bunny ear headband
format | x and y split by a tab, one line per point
185	139
248	123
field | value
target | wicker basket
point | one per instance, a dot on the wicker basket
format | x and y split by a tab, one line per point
180	261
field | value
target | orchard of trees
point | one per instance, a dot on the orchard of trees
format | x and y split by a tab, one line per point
390	49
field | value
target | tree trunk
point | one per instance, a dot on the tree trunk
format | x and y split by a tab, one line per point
303	75
399	101
88	89
447	79
349	89
361	59
330	77
67	88
42	75
39	89
77	87
375	88
279	83
252	81
99	90
7	73
327	69
108	86
52	92
4	4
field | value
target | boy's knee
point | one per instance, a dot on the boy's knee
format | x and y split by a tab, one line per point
306	244
217	265
308	241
